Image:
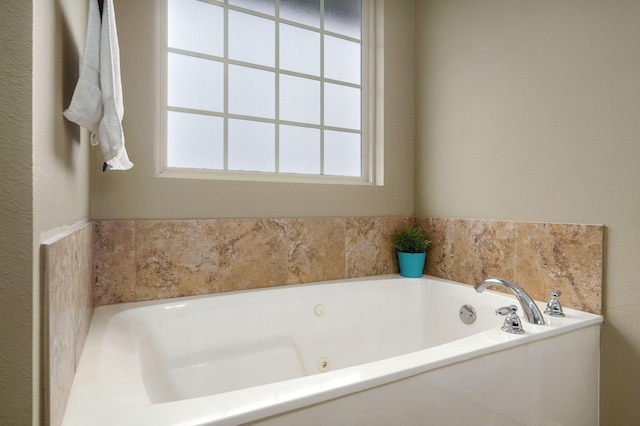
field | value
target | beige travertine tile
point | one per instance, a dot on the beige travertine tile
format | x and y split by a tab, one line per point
563	257
483	249
173	258
182	257
61	328
83	289
316	249
368	249
114	262
440	258
253	254
68	278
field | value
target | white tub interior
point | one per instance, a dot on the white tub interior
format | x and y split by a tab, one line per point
204	346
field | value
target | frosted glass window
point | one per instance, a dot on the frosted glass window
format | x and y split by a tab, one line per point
343	17
195	83
267	86
299	99
195	141
299	150
299	50
251	39
251	146
304	11
342	105
251	92
341	60
196	26
263	6
342	154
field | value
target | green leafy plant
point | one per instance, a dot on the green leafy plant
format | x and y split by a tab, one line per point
411	240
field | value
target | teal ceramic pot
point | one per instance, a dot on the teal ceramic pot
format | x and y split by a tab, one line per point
411	264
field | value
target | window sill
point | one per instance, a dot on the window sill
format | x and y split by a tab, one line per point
203	174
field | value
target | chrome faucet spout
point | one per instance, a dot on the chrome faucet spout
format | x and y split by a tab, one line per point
531	312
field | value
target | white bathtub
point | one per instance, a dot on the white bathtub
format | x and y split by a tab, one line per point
375	351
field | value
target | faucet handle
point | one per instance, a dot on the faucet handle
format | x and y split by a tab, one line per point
512	323
506	310
554	308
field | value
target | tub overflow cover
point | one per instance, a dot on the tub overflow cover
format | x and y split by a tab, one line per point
467	314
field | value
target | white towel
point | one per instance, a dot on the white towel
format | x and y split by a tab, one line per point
86	104
97	100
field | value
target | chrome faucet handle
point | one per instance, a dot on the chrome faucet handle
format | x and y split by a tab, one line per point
554	308
512	323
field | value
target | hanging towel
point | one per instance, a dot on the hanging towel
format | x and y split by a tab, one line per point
110	134
86	104
97	100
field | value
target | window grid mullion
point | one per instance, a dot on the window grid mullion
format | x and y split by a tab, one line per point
263	67
261	119
277	88
322	85
226	91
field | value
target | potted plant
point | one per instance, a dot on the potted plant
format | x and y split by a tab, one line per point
412	246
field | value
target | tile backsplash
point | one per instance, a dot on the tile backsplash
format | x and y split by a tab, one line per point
151	259
540	257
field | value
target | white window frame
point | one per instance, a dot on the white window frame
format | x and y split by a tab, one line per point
372	128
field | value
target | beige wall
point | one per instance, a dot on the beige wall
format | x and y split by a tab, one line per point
16	284
44	182
529	111
138	194
60	148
